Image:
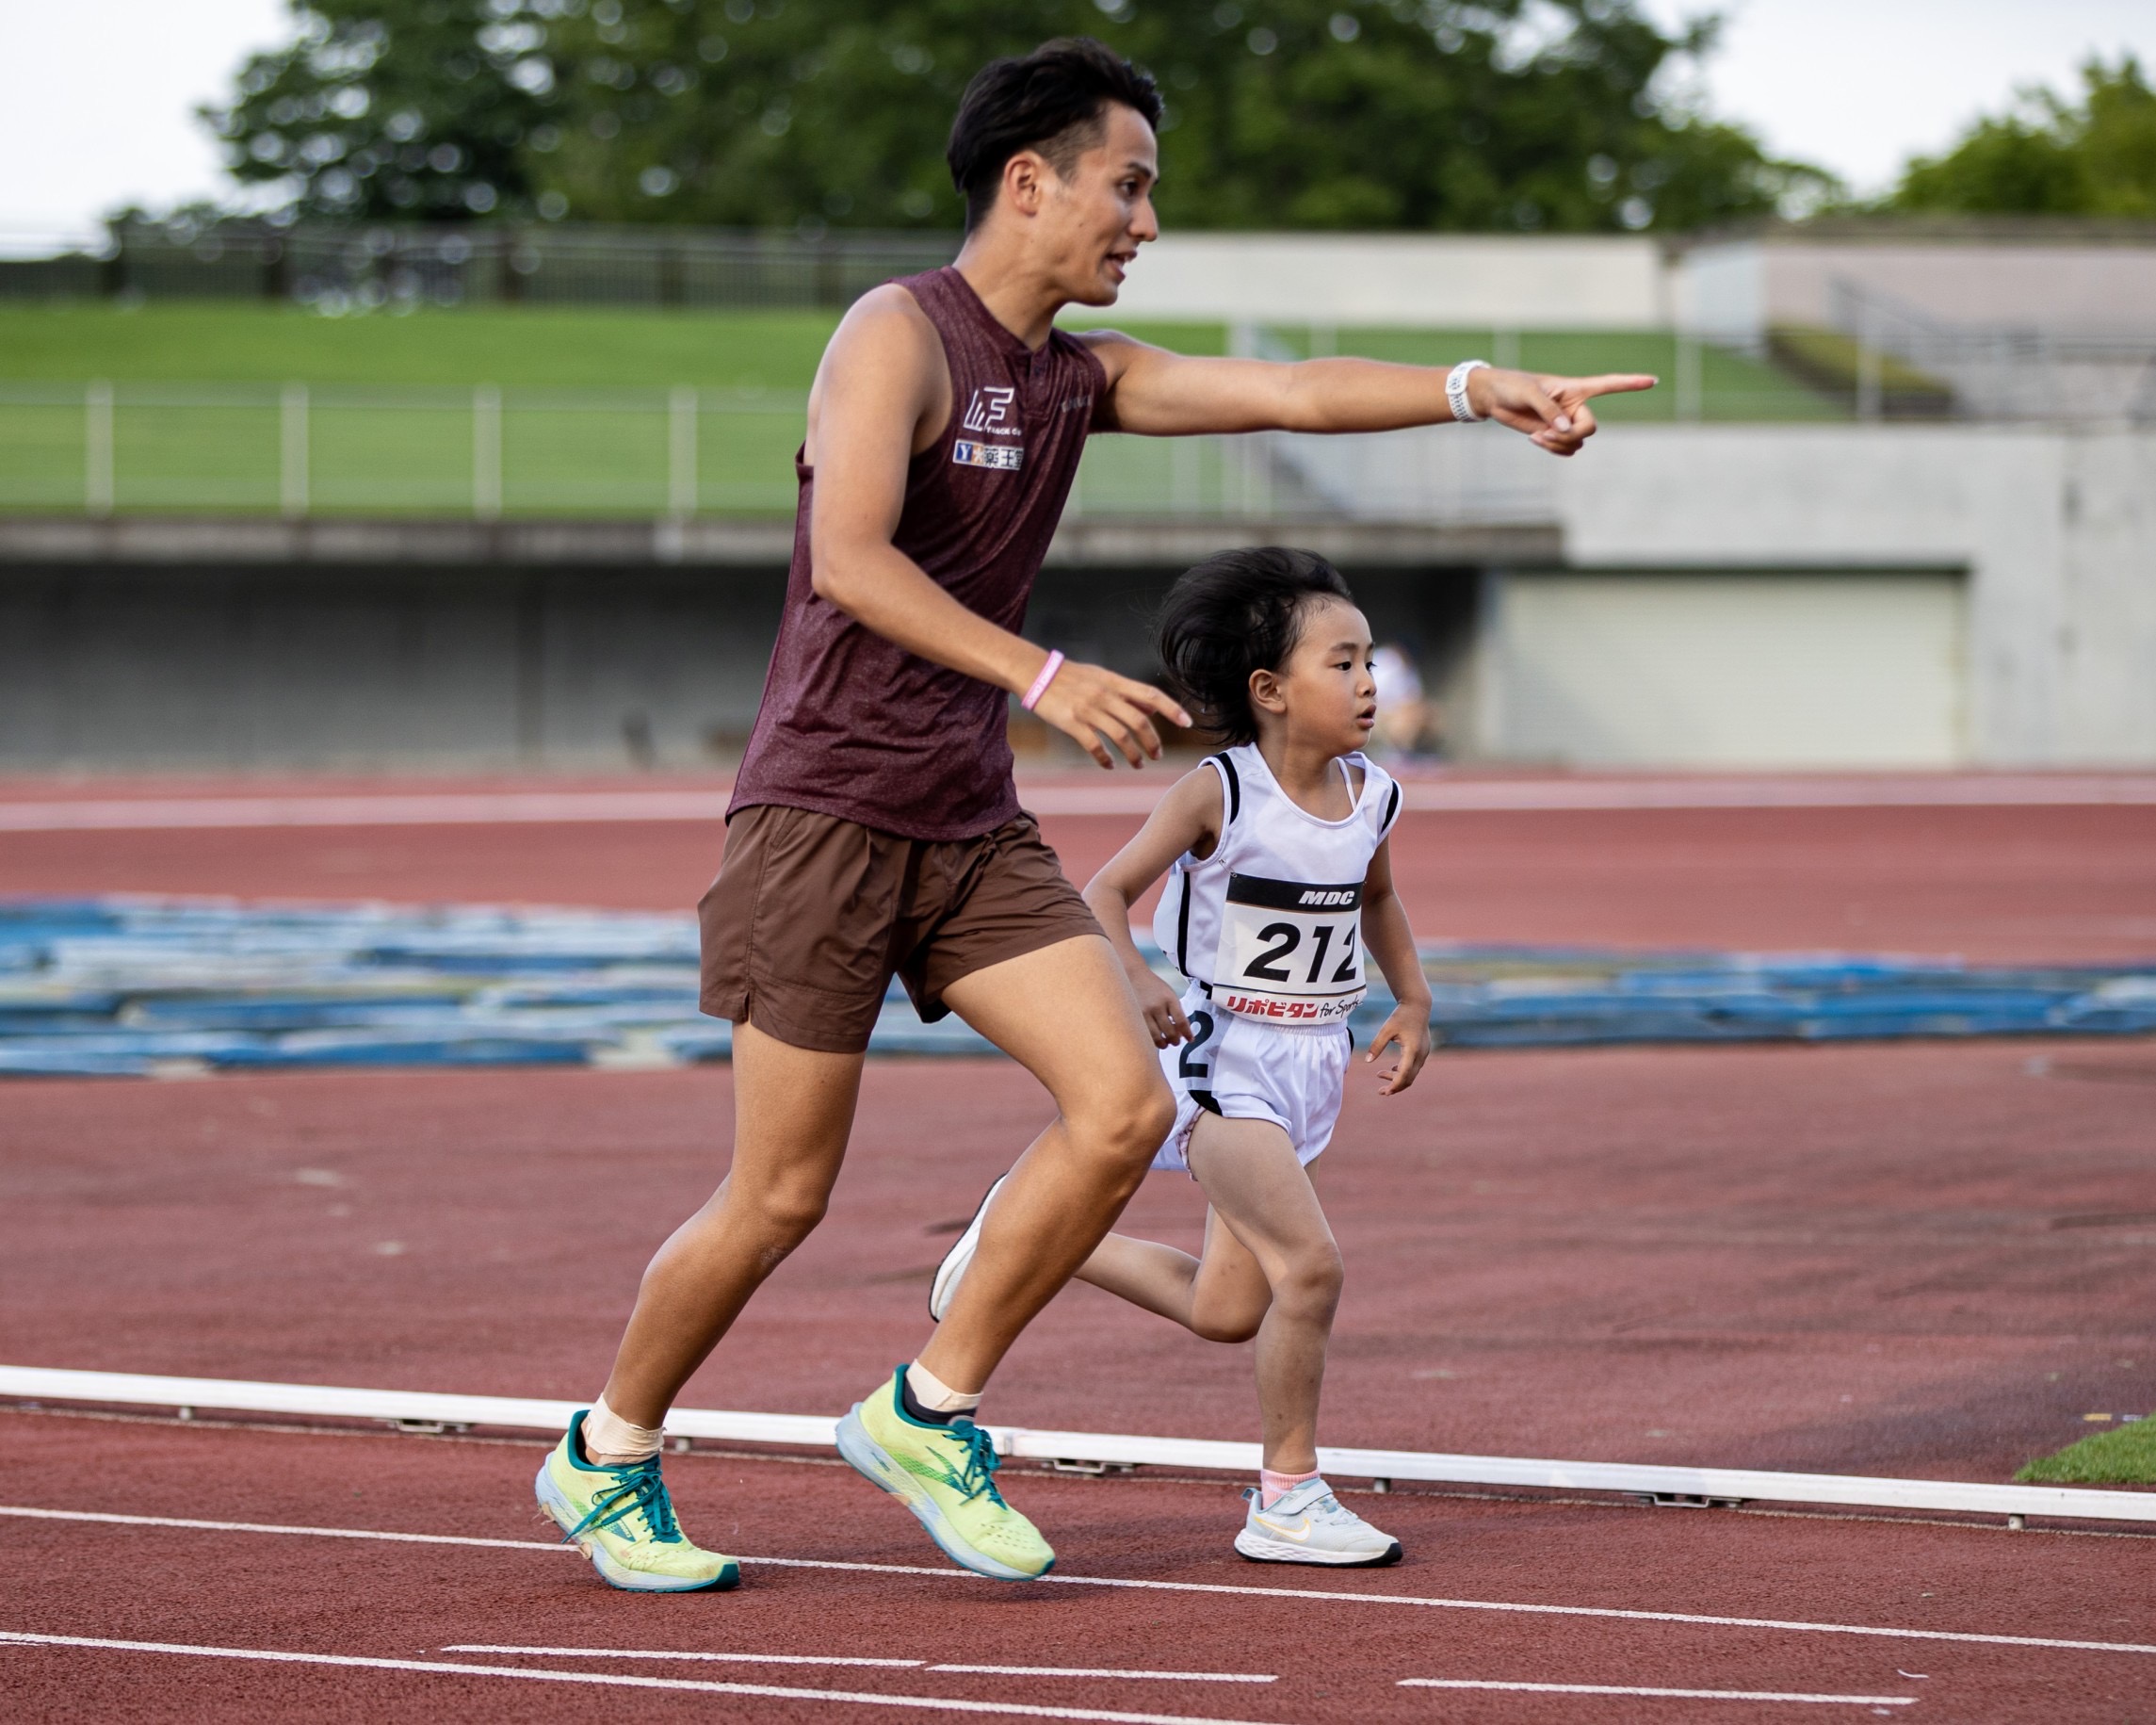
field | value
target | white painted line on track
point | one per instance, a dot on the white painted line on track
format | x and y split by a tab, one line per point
612	1680
1087	1671
271	1527
1795	1626
1682	1695
1126	796
984	1670
640	1652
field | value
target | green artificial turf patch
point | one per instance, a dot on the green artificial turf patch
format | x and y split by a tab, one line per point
2123	1456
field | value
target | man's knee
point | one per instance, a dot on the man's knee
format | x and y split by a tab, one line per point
1128	1124
785	1214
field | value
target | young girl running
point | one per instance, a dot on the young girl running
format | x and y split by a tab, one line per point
1278	876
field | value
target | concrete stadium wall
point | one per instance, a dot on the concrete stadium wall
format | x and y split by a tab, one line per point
2055	530
1730	290
218	665
202	666
1416	281
1735	291
1737	671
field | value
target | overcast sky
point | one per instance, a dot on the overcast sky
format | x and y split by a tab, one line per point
97	97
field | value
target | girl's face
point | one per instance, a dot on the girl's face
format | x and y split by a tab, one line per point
1324	694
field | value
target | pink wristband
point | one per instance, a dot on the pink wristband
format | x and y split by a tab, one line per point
1040	688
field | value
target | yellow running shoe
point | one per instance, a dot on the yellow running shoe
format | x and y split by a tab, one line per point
623	1519
945	1475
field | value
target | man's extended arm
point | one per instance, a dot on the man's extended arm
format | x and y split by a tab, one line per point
1161	393
877	389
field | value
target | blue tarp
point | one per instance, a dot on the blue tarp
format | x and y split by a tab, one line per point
125	987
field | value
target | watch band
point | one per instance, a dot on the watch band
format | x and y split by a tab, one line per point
1456	390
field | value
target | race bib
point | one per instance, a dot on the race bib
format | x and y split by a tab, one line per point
1290	950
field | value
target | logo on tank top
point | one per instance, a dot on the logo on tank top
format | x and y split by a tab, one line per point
990	412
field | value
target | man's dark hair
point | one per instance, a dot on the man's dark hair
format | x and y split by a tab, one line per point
1237	613
1054	100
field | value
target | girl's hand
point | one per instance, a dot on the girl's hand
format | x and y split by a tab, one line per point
1162	1010
1409	1026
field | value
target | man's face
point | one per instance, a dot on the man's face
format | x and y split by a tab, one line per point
1093	223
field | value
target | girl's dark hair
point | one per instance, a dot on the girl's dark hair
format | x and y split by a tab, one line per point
1235	614
1053	100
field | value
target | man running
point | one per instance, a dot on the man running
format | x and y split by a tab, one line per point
875	829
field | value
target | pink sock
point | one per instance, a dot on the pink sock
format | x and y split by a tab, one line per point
1273	1486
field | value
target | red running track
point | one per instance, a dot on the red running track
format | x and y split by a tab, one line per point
1925	1258
2009	885
1338	1657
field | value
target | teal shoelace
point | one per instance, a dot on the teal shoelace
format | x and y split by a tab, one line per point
640	1489
978	1473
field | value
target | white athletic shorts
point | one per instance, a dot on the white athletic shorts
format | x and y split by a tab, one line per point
1245	1068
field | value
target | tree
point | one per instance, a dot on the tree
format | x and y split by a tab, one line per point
2047	157
1424	114
427	108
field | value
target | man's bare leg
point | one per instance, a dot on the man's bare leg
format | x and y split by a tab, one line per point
1066	1015
793	1110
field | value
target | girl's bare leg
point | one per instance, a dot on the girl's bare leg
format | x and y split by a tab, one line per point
1270	1269
1265	1201
1221	1296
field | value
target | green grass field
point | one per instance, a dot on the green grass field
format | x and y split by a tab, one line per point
2122	1455
245	342
585	427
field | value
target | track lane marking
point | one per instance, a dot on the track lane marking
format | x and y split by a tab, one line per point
232	812
1082	1671
1685	1695
1620	1614
14	1637
271	1527
984	1670
639	1653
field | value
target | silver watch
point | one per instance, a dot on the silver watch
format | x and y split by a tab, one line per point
1456	390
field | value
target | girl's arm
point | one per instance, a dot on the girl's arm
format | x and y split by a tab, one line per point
1188	818
1391	942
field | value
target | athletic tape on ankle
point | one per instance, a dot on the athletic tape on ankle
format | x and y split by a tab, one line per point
932	1392
611	1440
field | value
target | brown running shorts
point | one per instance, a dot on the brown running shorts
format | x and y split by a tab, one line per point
812	915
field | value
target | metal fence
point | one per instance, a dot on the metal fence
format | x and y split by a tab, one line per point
358	268
1997	372
488	453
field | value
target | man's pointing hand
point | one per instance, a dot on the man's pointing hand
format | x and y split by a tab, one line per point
1552	410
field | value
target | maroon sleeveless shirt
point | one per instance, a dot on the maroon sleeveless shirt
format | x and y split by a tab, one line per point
854	726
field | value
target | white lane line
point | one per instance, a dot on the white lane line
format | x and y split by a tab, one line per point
1797	1627
424	808
271	1527
1086	1670
615	1680
1682	1695
1128	797
985	1670
639	1653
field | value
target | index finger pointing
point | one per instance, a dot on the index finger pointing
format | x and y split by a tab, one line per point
1615	383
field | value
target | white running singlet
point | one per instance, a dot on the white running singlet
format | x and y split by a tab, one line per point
1272	921
1268	930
